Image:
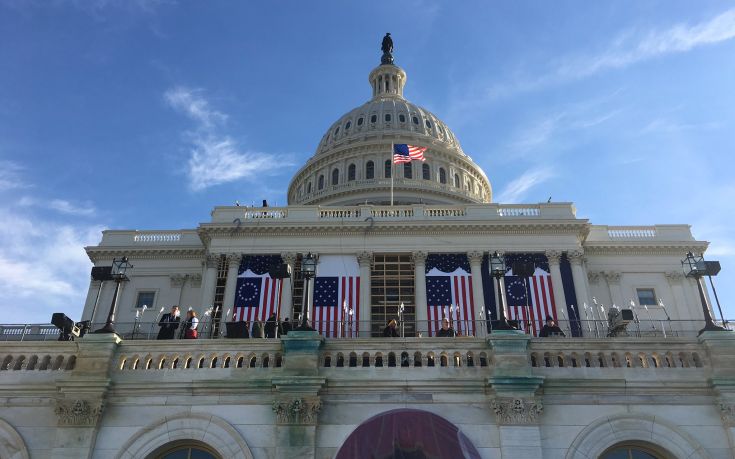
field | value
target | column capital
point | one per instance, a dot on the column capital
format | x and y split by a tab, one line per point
298	410
475	256
594	276
196	280
289	258
575	256
234	258
78	412
613	277
419	257
554	256
674	276
365	258
177	280
211	261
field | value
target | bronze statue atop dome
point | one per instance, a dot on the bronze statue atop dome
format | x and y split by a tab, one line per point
387	48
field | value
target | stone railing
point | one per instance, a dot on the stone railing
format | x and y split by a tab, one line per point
115	238
512	211
632	233
616	353
37	356
268	213
657	233
157	237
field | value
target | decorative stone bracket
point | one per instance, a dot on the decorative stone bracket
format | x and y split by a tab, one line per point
76	412
511	410
302	411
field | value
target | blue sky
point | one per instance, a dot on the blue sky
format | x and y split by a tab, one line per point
145	114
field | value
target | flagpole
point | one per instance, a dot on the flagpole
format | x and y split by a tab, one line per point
392	172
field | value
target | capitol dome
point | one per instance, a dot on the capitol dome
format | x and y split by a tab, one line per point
353	162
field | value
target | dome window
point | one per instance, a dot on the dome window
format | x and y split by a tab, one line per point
428	124
456	180
402	118
374	118
415	120
370	170
351	172
387	117
336	131
308	188
347	126
388	168
426	171
335	177
442	176
320	183
359	121
407	170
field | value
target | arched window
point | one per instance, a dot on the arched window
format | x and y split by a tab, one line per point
320	183
632	451
308	188
415	120
351	172
456	180
387	168
335	177
374	118
387	118
185	449
426	171
442	176
336	131
407	170
428	124
370	170
402	118
359	121
348	125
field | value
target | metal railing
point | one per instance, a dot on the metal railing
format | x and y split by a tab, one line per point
594	329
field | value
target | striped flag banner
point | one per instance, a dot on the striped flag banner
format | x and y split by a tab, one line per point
537	292
336	294
449	293
257	295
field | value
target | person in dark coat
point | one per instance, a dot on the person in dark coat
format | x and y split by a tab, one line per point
169	323
390	331
271	326
285	326
551	329
446	330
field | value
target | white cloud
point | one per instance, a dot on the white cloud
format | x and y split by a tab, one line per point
59	205
10	175
215	158
518	188
669	126
43	266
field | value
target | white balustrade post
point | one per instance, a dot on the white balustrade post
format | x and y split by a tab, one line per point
422	314
478	296
365	259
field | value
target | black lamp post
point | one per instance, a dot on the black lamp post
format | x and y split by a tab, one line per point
696	267
119	267
308	271
497	269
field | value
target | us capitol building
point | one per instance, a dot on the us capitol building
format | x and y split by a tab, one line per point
631	378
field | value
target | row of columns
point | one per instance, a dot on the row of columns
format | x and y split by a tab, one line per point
365	259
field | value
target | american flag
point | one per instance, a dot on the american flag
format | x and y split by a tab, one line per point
257	296
449	293
336	293
531	301
403	153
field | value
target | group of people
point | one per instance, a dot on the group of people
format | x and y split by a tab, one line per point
170	322
550	328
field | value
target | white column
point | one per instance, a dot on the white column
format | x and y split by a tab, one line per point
422	314
288	258
477	293
365	259
177	282
92	294
579	276
209	281
228	301
616	292
554	257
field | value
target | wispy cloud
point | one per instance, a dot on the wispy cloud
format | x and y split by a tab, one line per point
10	175
668	126
628	48
214	158
59	205
517	189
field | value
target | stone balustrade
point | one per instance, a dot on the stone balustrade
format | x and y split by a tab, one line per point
37	356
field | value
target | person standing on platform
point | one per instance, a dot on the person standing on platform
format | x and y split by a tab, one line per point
271	326
285	326
169	323
190	325
550	329
446	330
390	331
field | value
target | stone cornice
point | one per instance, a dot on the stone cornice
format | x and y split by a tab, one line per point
161	252
644	248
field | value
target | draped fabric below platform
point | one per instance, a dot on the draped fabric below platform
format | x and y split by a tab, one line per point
407	434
